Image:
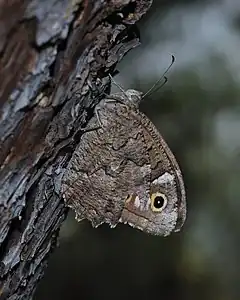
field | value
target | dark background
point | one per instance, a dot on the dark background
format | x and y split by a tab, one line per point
198	113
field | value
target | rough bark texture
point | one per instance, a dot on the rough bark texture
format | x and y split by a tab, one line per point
52	55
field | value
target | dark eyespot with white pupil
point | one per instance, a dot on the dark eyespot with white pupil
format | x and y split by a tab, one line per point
158	202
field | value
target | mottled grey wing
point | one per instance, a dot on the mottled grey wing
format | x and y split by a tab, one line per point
163	161
107	166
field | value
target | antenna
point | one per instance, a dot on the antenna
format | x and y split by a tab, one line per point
117	85
162	77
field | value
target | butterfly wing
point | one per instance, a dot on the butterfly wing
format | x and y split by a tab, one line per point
165	210
108	165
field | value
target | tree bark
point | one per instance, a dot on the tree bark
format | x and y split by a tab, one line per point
55	57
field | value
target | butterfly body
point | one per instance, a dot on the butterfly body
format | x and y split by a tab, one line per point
124	171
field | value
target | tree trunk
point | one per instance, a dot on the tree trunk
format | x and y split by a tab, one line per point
55	57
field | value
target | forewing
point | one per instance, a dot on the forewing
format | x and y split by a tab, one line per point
107	166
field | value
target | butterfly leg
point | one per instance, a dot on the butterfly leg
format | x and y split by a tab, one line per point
117	85
99	126
99	87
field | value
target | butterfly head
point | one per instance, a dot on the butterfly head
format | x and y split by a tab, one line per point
134	97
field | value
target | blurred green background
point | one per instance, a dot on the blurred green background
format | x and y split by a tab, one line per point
198	113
